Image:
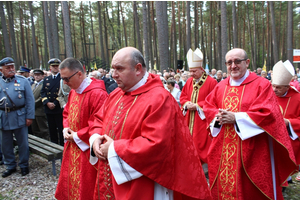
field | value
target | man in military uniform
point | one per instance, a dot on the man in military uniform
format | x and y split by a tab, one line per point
16	113
24	71
53	110
39	124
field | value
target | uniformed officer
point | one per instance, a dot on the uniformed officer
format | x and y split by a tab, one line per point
53	110
24	71
16	112
39	124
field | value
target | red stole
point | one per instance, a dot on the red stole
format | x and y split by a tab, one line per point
227	175
74	162
119	112
77	174
194	99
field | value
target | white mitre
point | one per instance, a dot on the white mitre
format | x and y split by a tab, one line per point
195	58
283	73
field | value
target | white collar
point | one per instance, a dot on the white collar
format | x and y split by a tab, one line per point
238	82
140	83
85	83
55	75
284	94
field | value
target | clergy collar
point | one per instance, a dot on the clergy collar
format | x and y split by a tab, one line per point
140	83
285	94
240	81
85	83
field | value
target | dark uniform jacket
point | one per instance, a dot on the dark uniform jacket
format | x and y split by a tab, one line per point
49	93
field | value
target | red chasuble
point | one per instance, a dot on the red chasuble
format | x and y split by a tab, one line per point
150	135
77	176
242	169
290	105
196	93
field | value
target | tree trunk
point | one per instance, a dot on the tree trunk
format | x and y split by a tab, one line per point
154	37
124	26
137	27
82	36
106	36
23	57
210	63
4	31
28	43
223	34
179	32
113	38
151	66
48	29
219	50
268	39
254	38
119	26
289	38
67	27
145	34
250	38
174	41
234	26
202	36
263	35
93	35
35	55
215	62
162	32
274	38
74	39
54	30
196	25
188	26
12	33
101	32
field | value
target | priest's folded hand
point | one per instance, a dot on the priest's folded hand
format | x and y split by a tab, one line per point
226	117
104	147
96	146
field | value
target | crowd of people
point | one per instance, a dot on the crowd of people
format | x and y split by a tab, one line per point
129	133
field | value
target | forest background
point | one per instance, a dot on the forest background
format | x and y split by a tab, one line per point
34	32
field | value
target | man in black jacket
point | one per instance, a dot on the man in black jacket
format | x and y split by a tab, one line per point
53	110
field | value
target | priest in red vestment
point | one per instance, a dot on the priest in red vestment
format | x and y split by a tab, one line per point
192	99
289	101
141	131
77	176
251	154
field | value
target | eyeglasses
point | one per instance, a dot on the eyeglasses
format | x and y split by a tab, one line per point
236	62
67	79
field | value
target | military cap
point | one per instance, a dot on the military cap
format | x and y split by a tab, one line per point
24	69
54	61
7	61
38	71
